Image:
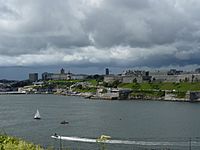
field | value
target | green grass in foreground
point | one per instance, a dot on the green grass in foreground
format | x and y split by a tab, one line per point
11	143
183	86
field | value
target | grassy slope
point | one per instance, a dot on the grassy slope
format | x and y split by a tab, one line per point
184	86
85	90
67	83
93	82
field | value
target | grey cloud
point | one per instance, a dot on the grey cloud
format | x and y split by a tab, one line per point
133	5
43	23
112	33
157	24
7	13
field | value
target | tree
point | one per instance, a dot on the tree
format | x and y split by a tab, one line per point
115	83
134	80
186	79
192	78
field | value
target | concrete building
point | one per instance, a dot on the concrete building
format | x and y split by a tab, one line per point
112	78
129	76
157	72
138	76
174	75
33	77
174	72
78	76
176	78
46	76
56	76
197	70
107	71
62	76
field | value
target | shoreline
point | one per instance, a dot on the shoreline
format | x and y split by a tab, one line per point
94	97
131	99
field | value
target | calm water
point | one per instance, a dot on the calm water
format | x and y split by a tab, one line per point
132	120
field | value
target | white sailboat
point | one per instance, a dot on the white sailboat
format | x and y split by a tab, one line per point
37	115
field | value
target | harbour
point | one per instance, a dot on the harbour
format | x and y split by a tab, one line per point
147	121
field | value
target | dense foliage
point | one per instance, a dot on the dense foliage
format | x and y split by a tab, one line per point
21	83
148	93
11	143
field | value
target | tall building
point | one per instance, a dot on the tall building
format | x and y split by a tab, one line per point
107	71
62	71
33	77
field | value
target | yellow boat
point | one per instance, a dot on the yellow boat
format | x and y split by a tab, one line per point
103	138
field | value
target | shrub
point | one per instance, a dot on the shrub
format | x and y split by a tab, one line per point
11	143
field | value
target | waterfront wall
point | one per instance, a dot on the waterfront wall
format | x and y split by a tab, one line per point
194	96
177	78
153	78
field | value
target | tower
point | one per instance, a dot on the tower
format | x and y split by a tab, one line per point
107	71
62	71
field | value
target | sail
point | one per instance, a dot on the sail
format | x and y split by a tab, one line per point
37	115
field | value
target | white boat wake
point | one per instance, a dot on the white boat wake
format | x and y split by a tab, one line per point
128	142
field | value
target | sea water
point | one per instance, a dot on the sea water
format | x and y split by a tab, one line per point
150	124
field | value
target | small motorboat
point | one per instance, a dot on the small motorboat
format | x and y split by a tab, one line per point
64	122
103	138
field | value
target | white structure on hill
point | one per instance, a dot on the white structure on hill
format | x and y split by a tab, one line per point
62	76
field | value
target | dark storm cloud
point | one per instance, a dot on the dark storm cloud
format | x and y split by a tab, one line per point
100	32
155	23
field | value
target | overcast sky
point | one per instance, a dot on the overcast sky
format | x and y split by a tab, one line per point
100	33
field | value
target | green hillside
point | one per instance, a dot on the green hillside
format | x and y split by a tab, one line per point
183	86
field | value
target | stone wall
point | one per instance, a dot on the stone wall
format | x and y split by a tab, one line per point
130	79
112	78
194	96
177	78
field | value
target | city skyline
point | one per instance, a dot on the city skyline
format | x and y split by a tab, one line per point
91	35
